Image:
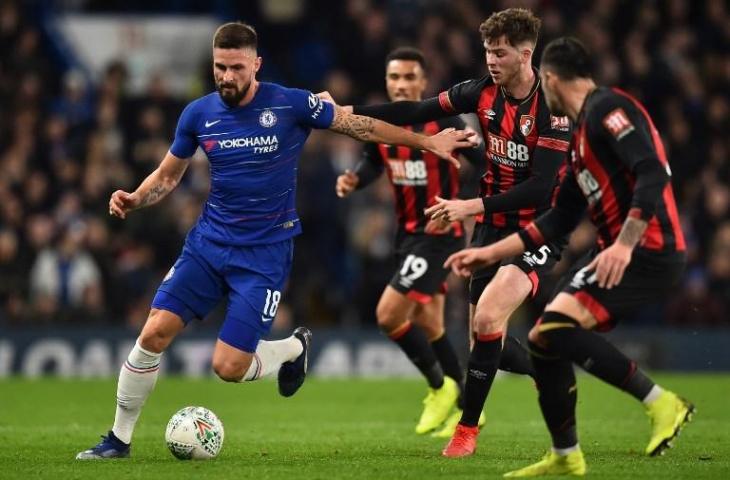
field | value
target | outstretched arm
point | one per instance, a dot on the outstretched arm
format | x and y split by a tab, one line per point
152	189
530	193
465	261
368	129
405	112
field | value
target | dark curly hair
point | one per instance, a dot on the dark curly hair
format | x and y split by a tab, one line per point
516	24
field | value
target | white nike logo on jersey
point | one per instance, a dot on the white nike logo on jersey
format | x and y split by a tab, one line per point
266	319
210	124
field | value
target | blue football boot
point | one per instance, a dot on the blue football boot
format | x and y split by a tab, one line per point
109	447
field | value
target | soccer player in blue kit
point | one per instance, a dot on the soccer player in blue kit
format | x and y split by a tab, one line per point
242	244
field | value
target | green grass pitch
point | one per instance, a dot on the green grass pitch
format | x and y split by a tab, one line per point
346	429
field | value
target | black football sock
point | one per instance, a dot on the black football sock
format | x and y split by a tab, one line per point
515	358
557	395
414	344
449	361
596	355
480	373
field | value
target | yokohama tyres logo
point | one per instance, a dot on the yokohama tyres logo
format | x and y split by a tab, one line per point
268	142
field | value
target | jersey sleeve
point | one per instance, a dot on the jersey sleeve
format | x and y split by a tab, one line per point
310	110
371	165
559	220
553	133
628	132
463	97
404	112
185	142
620	123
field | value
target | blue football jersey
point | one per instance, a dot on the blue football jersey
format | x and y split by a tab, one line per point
253	153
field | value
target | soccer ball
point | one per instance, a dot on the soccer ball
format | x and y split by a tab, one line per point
194	433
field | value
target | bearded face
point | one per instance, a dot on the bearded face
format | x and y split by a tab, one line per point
234	70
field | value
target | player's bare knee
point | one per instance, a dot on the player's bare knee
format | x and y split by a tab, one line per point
229	371
388	320
513	283
487	322
154	338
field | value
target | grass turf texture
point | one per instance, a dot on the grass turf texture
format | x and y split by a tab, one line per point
342	429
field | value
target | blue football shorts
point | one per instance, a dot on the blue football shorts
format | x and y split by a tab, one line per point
252	277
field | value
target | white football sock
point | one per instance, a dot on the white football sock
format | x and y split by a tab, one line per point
653	394
270	355
565	451
136	380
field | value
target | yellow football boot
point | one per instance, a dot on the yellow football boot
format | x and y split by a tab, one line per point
554	464
437	405
668	414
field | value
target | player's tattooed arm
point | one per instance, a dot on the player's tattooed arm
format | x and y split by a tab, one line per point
152	189
162	181
611	263
355	126
632	231
368	129
155	194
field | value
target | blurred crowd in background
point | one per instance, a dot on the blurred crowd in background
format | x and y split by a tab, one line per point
66	143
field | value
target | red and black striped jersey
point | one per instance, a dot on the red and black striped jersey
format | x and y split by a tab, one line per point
417	177
521	138
618	168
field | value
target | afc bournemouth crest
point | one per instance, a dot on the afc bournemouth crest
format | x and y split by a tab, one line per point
267	119
527	123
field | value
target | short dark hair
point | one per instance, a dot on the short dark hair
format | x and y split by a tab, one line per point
235	35
568	58
407	53
516	24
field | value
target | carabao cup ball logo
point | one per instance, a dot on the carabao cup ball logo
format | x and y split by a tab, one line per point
267	119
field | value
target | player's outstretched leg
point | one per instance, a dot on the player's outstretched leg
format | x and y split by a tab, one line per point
244	358
481	370
557	397
501	297
514	359
292	373
667	411
137	378
393	313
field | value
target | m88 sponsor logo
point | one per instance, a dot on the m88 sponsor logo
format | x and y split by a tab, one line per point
507	152
408	172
